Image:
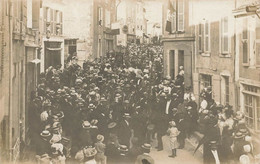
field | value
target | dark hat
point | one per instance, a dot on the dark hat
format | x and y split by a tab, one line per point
55	118
111	125
146	146
244	131
239	135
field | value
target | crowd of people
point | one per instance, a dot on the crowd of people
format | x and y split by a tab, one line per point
112	109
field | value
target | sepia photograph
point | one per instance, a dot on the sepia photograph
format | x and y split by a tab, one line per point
129	81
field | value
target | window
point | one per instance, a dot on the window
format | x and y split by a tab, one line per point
252	106
45	10
207	36
224	36
226	91
100	16
178	16
249	111
107	19
200	38
206	80
257	46
245	43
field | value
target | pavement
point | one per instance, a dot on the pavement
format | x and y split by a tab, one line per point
184	156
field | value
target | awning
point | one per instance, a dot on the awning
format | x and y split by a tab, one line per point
36	61
54	49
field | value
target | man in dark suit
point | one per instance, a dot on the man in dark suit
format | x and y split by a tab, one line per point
125	130
43	145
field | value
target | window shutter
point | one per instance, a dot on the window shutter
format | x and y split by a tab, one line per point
245	41
180	15
61	23
56	12
52	22
174	17
44	19
201	40
224	35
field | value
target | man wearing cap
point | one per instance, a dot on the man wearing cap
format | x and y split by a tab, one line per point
145	157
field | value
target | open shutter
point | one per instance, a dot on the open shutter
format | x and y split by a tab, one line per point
61	23
174	19
44	19
180	15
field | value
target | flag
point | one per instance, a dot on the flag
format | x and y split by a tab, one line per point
170	12
170	7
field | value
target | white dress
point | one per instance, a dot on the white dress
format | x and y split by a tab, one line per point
173	133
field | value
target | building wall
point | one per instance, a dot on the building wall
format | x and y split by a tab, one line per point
78	24
178	41
247	69
214	62
101	32
4	80
54	36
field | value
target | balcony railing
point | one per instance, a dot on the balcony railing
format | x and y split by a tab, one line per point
15	151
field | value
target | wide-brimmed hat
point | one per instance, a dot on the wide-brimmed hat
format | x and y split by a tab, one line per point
45	133
126	115
60	114
89	152
111	125
94	122
100	137
239	135
86	125
91	106
244	131
213	144
146	146
123	148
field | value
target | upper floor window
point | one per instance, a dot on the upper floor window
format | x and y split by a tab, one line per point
207	36
107	16
178	16
100	16
224	36
200	37
257	31
245	42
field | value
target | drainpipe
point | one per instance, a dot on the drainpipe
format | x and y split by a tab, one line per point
10	21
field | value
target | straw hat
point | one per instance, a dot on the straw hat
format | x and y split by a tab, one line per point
45	133
100	137
86	125
146	146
